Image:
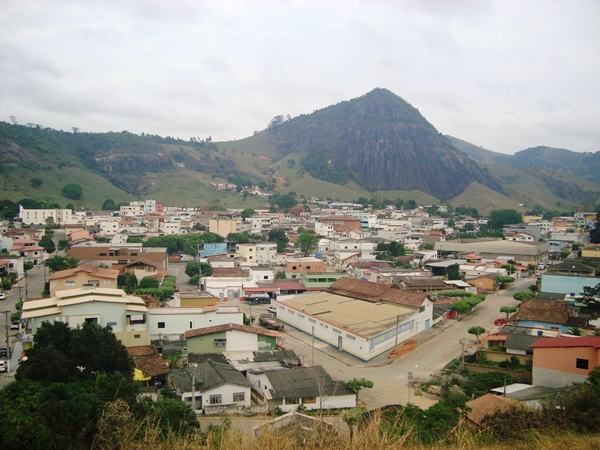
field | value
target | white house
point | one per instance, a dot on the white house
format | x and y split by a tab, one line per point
166	323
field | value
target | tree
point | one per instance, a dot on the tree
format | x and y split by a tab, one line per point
357	385
575	331
477	331
280	238
501	217
410	204
36	182
461	307
508	310
64	245
48	244
148	283
57	262
453	272
523	295
504	281
196	268
240	238
307	242
109	205
352	418
63	354
248	212
280	275
73	191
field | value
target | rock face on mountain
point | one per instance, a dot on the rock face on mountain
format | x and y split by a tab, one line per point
383	143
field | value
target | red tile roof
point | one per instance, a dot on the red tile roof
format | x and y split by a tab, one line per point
90	268
488	405
360	289
567	342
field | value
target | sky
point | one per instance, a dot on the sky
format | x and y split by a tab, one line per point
501	74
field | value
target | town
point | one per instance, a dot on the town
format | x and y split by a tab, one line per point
250	313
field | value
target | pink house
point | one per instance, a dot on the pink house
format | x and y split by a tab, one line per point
559	362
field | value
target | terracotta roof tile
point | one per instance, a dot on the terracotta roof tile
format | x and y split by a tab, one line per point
152	365
360	289
488	405
90	268
567	342
407	298
549	311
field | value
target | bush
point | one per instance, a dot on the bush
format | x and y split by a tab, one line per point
72	191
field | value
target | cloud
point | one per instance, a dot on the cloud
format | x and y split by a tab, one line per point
502	74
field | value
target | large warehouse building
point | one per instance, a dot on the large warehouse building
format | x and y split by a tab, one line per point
358	317
522	252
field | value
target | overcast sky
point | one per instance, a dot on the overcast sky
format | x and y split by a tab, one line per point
505	75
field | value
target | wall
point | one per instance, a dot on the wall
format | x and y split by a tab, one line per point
241	341
205	344
556	367
79	280
562	284
518	376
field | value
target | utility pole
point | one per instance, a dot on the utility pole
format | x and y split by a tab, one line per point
410	376
396	344
313	345
7	336
194	389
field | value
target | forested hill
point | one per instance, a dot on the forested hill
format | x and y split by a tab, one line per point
381	142
123	158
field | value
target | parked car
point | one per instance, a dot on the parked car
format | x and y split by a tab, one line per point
14	326
272	309
538	274
3	352
3	366
499	322
3	296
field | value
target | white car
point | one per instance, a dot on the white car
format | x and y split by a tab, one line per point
3	366
272	309
3	296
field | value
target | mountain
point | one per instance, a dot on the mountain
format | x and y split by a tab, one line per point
381	142
568	175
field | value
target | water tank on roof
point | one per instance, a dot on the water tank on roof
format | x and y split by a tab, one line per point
319	255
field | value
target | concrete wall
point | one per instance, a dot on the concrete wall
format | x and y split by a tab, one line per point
555	378
78	280
562	284
205	344
556	367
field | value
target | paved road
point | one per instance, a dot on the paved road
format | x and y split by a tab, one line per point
438	346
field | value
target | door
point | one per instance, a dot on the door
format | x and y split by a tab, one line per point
427	325
340	347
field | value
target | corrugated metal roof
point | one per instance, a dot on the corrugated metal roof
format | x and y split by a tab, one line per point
305	382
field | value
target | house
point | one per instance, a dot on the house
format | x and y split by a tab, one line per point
150	368
142	267
312	387
488	405
548	314
29	250
44	216
559	362
422	284
84	275
486	283
212	387
126	314
171	323
230	337
110	253
296	266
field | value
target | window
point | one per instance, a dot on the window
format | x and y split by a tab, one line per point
69	282
161	325
300	316
106	281
322	280
136	319
111	324
220	342
310	400
216	399
137	336
337	331
422	308
307	267
349	336
293	267
582	364
239	396
312	320
266	277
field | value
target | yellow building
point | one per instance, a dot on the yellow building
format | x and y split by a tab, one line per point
85	275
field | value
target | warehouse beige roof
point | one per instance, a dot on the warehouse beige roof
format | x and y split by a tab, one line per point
355	316
499	246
